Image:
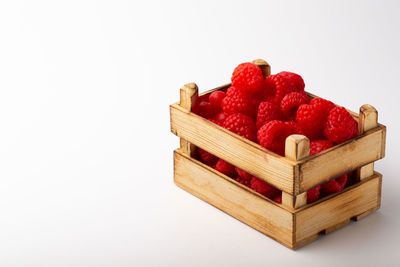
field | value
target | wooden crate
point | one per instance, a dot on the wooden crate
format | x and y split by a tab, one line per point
293	223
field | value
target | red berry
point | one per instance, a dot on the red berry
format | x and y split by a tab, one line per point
313	194
277	86
243	174
291	102
273	135
267	112
263	188
225	168
243	181
340	125
206	157
310	119
278	199
325	105
319	145
221	117
248	78
242	125
206	110
294	78
236	101
335	185
216	98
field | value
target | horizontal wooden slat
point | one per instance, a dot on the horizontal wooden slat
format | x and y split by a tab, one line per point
223	193
247	155
342	158
331	212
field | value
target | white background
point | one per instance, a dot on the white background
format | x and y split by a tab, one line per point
85	142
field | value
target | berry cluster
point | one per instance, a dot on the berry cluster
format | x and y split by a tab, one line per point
268	110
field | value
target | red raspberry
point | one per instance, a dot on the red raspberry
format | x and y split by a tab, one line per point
267	112
221	117
236	101
294	78
243	174
340	125
242	125
313	194
206	157
203	98
206	110
335	185
294	126
278	199
273	135
216	98
225	168
248	77
326	104
319	145
243	181
291	102
263	188
278	85
310	119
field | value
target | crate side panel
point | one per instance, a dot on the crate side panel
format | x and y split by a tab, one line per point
245	206
316	218
342	158
234	149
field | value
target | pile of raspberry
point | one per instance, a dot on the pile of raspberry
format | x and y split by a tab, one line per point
268	110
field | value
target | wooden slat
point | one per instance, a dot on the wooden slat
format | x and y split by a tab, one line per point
264	66
345	157
368	120
244	154
297	147
225	194
332	212
189	94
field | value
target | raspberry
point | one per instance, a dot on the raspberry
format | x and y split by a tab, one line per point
278	85
267	112
340	125
313	194
236	101
243	181
204	98
243	174
263	188
206	110
325	105
294	126
310	119
294	78
242	125
278	199
291	102
335	185
319	145
248	78
221	117
225	168
206	157
216	98
273	135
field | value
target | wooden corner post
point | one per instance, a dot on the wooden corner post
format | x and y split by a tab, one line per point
367	120
189	94
297	147
264	66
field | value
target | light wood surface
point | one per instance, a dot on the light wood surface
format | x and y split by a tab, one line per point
297	147
242	153
292	228
223	193
368	120
342	158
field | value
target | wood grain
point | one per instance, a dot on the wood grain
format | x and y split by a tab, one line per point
329	213
342	158
205	183
238	151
